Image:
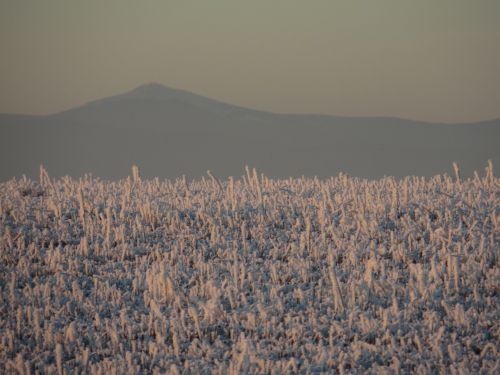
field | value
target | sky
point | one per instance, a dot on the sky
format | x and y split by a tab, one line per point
426	60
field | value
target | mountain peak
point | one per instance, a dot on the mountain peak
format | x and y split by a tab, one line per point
154	92
153	89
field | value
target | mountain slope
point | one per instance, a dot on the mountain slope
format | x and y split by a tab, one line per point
170	132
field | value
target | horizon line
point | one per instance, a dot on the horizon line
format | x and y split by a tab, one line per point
168	87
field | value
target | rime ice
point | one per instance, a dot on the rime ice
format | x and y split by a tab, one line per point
250	276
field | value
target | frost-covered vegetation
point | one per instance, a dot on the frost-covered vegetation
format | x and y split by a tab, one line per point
250	276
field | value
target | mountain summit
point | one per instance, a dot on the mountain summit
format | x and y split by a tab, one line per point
154	90
170	132
160	94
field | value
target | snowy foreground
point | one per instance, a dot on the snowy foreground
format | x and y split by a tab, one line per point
250	276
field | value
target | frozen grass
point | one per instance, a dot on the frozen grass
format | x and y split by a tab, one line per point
250	276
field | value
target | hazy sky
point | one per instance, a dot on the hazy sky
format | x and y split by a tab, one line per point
425	59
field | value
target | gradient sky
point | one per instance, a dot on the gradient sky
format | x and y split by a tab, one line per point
426	59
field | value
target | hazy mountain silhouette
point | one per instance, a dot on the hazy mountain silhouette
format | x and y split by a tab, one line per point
169	132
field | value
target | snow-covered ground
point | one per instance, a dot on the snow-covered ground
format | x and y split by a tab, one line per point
250	276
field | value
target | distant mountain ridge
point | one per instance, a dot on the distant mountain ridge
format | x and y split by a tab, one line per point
153	91
170	132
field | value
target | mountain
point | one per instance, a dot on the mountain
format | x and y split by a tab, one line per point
169	132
